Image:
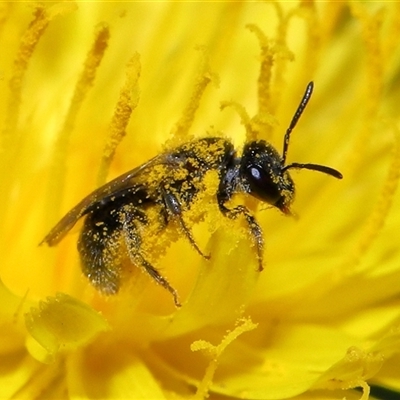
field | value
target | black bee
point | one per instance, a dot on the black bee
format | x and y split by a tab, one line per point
117	213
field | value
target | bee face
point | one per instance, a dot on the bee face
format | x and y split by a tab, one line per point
263	176
117	213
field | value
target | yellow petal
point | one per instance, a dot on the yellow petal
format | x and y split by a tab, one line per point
11	329
62	323
109	371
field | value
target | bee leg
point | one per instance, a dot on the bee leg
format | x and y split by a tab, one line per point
98	248
174	210
153	272
133	242
254	228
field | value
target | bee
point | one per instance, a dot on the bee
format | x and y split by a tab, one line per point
116	214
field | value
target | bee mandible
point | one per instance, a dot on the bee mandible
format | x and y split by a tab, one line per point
116	213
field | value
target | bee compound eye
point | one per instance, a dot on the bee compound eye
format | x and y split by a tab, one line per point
263	184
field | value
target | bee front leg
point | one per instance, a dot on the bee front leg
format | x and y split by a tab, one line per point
254	228
133	242
174	210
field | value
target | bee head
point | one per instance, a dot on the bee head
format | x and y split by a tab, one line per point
264	176
264	172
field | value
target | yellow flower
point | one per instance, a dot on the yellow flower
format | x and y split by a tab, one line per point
92	90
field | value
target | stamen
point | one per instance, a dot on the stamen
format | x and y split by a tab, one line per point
378	216
28	44
215	352
10	136
243	115
182	127
265	75
85	82
127	102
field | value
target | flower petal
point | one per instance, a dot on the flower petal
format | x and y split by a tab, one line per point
62	322
100	372
224	286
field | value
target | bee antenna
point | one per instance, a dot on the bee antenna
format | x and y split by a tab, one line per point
315	167
296	117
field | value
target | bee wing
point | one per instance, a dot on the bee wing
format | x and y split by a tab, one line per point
118	184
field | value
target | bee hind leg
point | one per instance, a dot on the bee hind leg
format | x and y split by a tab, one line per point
133	242
155	274
174	210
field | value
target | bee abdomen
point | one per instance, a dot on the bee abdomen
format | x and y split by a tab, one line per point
99	251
